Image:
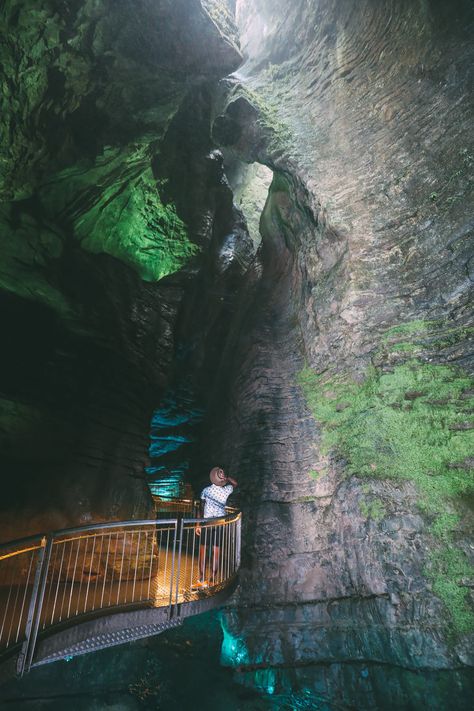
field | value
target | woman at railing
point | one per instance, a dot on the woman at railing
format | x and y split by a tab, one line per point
213	503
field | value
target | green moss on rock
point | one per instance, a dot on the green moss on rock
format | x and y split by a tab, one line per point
374	510
404	347
448	569
219	11
279	137
422	335
412	423
407	329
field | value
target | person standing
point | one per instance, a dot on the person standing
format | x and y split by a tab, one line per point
213	502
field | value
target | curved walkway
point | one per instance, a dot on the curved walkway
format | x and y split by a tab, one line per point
83	589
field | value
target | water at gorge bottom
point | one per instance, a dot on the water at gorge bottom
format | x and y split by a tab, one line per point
180	671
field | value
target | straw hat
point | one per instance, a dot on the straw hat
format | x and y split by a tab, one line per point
217	476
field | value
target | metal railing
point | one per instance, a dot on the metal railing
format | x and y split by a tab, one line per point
56	580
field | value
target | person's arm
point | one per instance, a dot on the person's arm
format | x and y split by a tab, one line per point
232	481
199	514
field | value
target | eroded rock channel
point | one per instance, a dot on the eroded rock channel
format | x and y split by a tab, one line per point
253	219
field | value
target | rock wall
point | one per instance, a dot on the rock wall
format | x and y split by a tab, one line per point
197	181
91	241
355	477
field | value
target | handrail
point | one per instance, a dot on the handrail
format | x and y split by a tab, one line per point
63	577
90	527
22	550
23	541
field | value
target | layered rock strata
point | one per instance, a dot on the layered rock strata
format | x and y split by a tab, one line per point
358	524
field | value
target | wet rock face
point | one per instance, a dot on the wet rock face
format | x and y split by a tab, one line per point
367	226
368	96
89	225
102	65
76	398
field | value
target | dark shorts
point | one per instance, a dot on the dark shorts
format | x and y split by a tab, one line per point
210	537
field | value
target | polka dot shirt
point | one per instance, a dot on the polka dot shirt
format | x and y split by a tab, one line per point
215	498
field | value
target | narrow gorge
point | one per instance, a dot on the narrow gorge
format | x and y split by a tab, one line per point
240	232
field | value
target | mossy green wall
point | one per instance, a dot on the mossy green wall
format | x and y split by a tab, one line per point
411	421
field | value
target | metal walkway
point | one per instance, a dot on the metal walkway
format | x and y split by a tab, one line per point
83	589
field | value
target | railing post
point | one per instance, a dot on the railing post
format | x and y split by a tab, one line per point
239	536
39	606
178	567
34	611
173	566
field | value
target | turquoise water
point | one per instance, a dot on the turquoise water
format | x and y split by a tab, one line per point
180	670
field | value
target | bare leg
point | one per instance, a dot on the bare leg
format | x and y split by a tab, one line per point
202	562
215	564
